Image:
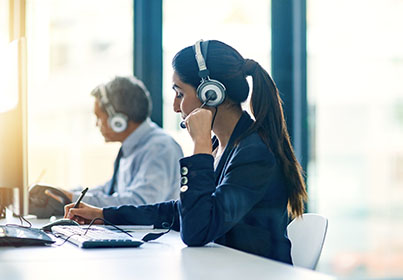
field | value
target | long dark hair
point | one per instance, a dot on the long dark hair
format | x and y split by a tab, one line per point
230	68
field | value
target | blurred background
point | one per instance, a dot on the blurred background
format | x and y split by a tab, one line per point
354	95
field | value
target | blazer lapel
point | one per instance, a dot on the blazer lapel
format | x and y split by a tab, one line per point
243	124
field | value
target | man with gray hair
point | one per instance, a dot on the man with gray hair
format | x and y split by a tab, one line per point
146	169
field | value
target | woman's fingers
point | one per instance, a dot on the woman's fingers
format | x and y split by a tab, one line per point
67	208
199	121
198	124
84	214
75	212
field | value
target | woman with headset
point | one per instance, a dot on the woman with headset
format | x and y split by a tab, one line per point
239	188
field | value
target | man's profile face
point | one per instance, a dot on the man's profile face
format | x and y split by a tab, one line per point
102	123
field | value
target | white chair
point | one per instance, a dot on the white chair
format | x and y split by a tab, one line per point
307	235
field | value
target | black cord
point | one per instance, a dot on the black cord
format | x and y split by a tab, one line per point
64	240
22	220
148	237
88	228
152	236
215	113
106	222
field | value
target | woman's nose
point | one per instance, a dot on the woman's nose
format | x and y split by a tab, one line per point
176	105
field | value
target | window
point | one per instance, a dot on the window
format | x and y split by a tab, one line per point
355	65
7	101
73	46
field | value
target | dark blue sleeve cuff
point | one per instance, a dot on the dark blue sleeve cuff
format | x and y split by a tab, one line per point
159	215
197	171
197	161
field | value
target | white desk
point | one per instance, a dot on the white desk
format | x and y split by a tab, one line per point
165	258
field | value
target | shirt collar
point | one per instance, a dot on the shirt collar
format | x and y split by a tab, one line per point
136	137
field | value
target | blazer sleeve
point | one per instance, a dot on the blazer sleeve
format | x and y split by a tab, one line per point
161	215
208	211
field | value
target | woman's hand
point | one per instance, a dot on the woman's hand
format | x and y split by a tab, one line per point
198	124
84	214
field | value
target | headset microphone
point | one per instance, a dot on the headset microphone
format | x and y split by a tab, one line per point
211	95
182	124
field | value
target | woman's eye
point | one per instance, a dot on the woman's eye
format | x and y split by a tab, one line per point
179	95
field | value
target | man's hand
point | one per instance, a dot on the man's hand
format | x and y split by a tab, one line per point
58	198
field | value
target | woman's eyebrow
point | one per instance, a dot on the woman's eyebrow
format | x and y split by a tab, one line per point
175	86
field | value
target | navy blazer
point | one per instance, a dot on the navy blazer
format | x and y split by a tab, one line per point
242	204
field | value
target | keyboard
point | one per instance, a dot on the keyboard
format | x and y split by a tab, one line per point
95	237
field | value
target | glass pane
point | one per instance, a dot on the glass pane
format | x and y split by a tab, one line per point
9	62
4	25
355	69
234	22
72	47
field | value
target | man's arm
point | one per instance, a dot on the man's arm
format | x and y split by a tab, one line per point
95	190
156	180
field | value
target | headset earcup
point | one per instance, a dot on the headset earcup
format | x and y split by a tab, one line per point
211	85
118	122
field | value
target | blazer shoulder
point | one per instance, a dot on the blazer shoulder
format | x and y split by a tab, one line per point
253	149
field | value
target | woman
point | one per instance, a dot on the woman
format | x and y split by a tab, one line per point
239	189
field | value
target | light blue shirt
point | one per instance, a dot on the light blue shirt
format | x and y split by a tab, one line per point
149	170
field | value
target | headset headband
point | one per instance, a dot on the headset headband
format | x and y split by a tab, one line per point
117	121
105	101
201	48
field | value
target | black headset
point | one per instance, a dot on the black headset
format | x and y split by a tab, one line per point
117	121
210	92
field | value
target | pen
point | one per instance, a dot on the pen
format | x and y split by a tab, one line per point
80	198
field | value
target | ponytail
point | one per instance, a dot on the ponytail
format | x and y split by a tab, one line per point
230	68
266	106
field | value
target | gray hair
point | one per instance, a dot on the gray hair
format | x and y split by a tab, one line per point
128	95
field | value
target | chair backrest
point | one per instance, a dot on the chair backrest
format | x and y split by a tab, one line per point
307	235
